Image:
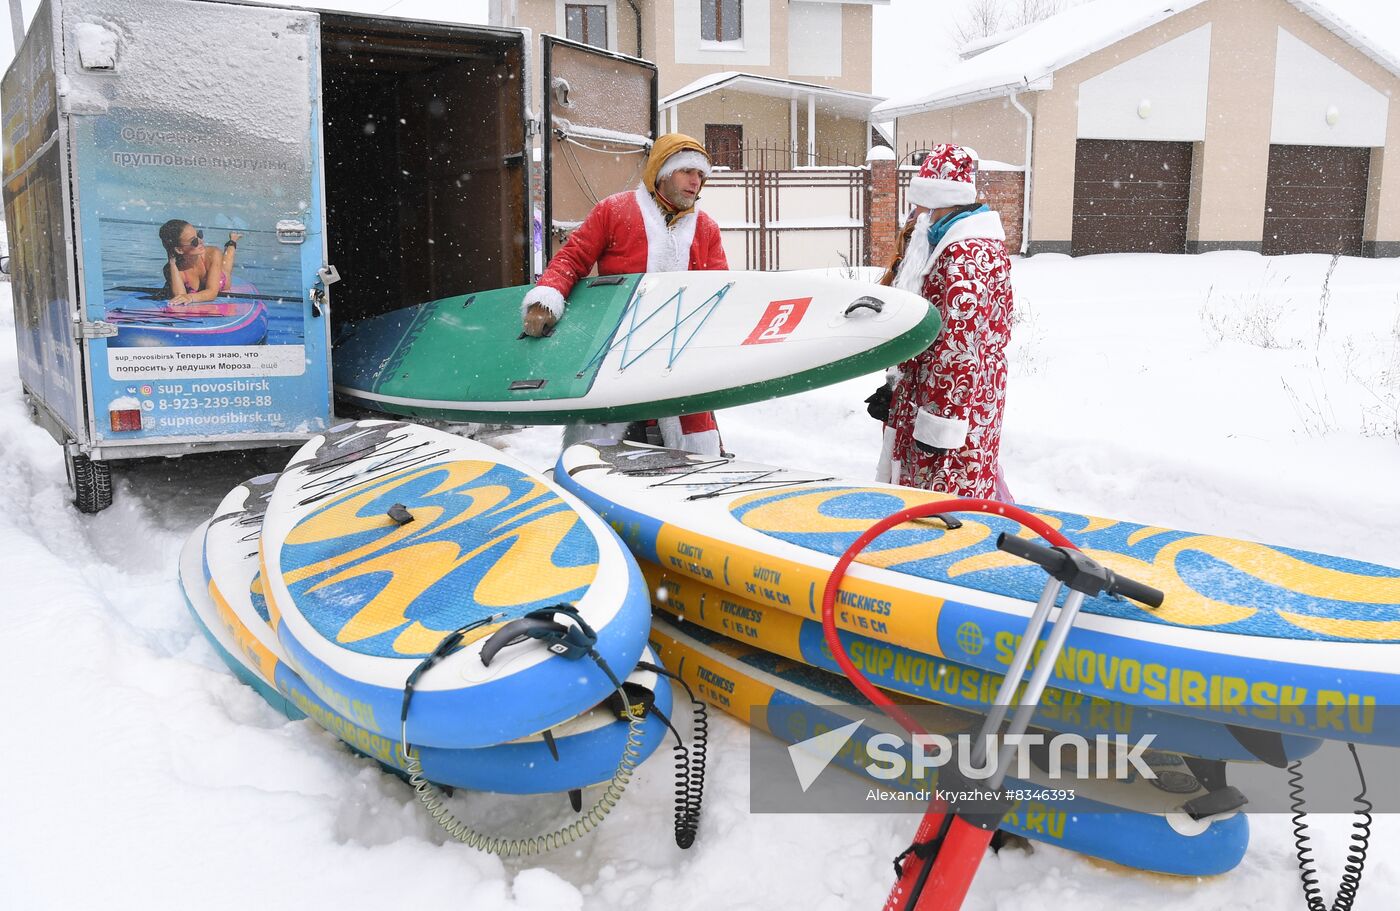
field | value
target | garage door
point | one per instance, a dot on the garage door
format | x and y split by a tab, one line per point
1130	196
1316	199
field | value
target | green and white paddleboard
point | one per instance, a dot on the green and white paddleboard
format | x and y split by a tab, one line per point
630	347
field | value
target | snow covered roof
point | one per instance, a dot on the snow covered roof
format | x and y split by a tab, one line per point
1385	56
982	45
838	101
1026	59
698	87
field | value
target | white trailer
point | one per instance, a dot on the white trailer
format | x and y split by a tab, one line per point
309	147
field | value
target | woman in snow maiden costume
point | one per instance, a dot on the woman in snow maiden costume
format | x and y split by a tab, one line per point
654	228
943	428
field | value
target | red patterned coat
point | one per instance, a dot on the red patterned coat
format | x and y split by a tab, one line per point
951	396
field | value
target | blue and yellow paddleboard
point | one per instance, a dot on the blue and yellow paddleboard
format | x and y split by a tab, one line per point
1249	634
382	538
226	597
926	677
1137	823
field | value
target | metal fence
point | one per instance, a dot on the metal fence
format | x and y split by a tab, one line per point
783	155
791	219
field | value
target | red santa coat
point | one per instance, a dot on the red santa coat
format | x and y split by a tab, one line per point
626	233
951	396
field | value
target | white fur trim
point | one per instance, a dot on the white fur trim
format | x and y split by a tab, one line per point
545	296
668	249
671	436
884	468
919	259
704	442
583	433
940	433
939	193
685	158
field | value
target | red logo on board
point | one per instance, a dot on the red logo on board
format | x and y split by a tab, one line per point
778	321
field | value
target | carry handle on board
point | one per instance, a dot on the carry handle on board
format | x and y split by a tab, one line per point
954	835
568	641
865	303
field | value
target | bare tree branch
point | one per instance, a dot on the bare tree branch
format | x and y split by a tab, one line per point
984	18
1024	12
981	19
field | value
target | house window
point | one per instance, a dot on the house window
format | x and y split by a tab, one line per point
721	20
586	23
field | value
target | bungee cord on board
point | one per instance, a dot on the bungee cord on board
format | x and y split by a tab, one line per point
672	334
569	642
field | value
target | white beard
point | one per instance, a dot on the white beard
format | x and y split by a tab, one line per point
917	259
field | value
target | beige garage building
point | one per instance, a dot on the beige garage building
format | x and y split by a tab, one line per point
1190	126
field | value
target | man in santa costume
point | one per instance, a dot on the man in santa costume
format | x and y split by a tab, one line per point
943	418
654	228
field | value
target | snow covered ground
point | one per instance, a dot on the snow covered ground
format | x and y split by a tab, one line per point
1230	393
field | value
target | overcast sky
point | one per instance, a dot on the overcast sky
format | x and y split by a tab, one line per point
911	36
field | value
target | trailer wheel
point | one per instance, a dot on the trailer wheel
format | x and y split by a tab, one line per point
92	484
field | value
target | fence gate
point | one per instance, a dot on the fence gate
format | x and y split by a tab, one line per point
809	218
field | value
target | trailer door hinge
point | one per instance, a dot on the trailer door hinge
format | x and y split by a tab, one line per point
328	275
93	328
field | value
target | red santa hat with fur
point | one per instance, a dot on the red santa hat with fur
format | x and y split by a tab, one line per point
948	177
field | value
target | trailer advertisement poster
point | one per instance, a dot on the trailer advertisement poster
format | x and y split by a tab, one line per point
201	236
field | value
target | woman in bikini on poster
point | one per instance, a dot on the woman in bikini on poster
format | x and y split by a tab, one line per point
195	272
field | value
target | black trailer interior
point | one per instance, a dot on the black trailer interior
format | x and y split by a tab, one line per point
426	179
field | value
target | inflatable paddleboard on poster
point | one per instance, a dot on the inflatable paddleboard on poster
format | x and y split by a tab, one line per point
199	211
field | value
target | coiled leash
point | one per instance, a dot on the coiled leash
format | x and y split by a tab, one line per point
1360	841
568	641
690	762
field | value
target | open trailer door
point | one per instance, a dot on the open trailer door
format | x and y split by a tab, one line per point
427	152
600	119
199	144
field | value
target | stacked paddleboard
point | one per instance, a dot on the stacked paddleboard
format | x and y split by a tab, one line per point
1256	653
329	606
1139	823
922	676
1249	635
629	347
